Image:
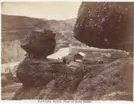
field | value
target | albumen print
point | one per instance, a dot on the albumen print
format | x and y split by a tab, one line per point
67	50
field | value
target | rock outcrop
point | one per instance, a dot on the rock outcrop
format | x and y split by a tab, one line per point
46	79
38	72
39	44
105	25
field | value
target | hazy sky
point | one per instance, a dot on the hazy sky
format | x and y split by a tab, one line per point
48	10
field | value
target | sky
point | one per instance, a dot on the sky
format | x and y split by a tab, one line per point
48	10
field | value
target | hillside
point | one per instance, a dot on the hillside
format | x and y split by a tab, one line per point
18	27
71	21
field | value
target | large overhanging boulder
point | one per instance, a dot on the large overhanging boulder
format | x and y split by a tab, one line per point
105	25
39	44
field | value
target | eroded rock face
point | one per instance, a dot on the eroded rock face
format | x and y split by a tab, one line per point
105	25
39	44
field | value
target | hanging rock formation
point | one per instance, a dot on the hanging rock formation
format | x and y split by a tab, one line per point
105	25
39	44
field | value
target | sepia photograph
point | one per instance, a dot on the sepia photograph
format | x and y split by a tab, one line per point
67	50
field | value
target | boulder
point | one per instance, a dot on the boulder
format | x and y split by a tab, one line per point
32	72
105	25
39	44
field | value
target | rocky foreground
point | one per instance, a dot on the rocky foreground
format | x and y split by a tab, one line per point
46	79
